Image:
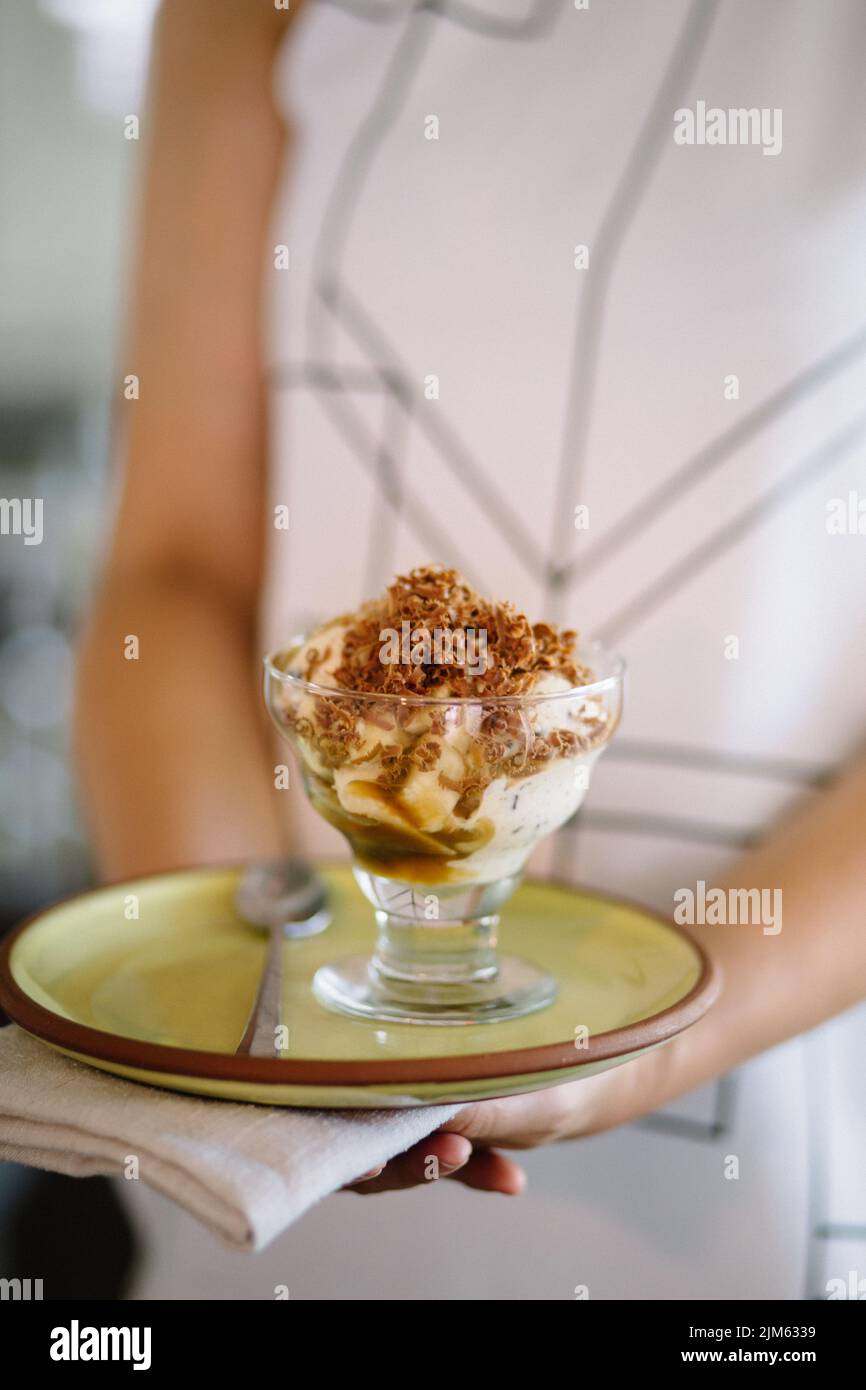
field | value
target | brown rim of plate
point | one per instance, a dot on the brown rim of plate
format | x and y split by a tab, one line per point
278	1071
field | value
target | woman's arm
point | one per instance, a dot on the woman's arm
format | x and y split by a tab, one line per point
777	985
171	746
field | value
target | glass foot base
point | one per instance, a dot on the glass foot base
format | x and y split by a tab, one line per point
518	988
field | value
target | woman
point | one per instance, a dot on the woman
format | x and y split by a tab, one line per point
476	303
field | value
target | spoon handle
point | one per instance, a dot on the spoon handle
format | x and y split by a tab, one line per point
259	1039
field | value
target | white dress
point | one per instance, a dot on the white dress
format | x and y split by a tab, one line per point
451	377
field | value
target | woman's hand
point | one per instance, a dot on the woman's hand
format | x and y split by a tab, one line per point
466	1147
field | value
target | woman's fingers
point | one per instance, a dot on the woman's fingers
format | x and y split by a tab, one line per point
444	1156
439	1155
490	1171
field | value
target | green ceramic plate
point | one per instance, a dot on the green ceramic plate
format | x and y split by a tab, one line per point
164	997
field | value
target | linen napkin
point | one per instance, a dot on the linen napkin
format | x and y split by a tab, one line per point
246	1171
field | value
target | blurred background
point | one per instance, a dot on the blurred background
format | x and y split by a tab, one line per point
70	71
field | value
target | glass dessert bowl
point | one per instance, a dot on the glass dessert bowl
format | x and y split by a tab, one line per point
441	794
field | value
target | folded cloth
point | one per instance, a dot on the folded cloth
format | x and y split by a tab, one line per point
246	1171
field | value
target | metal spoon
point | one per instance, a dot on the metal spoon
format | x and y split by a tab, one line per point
288	898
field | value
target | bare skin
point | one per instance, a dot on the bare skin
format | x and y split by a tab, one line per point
184	575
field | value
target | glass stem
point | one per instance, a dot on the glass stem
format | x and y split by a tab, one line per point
436	961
